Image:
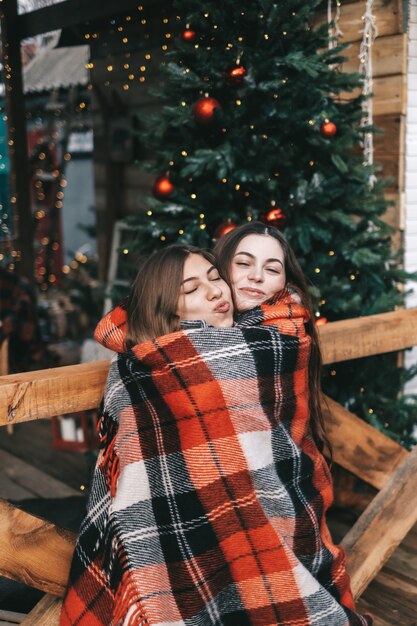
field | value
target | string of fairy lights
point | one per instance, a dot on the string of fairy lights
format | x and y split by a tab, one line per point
125	29
129	69
120	67
8	252
5	231
334	23
121	28
369	33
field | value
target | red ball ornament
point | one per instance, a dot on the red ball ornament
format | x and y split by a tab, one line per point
188	35
162	187
224	228
235	75
203	110
320	321
328	129
276	217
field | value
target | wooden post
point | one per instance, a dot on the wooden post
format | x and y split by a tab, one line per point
108	211
382	526
33	551
46	393
365	336
16	122
4	369
359	447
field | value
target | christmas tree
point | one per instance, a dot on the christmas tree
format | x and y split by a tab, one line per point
258	122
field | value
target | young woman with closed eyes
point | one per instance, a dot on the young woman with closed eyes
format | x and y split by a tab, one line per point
179	283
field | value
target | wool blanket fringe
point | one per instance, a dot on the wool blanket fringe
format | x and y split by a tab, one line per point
209	497
128	609
108	460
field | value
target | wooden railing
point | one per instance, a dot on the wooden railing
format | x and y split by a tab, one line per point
38	553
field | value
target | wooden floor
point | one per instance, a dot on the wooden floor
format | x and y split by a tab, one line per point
31	469
31	442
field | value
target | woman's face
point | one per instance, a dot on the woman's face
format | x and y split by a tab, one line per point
204	295
257	271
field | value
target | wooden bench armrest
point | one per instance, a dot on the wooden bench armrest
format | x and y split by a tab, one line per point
383	525
33	551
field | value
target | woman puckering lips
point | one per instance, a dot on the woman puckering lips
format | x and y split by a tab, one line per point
204	294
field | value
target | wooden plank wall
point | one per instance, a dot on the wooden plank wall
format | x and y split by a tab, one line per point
390	91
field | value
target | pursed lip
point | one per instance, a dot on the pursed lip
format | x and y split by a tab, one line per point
222	307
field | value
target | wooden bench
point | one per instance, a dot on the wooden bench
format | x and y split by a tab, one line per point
38	553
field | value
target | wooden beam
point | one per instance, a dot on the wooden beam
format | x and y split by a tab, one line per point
17	140
359	447
34	552
45	393
366	336
74	12
382	526
46	612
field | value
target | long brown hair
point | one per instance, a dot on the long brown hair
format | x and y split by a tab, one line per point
225	250
153	300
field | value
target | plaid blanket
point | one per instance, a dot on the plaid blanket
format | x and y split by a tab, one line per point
209	496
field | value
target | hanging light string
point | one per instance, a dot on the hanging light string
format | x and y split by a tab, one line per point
365	57
333	23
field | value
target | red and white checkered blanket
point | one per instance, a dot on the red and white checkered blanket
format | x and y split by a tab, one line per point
209	496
